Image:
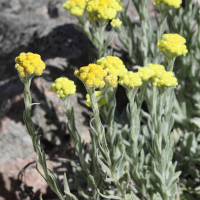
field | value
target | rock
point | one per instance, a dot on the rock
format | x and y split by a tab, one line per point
14	142
53	9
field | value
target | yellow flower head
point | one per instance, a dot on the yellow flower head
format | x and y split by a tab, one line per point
152	72
112	65
116	23
167	79
171	3
92	75
158	75
146	73
103	9
76	7
111	80
130	80
29	63
101	102
172	45
63	86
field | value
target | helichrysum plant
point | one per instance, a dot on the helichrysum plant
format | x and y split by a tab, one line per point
96	12
135	159
187	99
28	65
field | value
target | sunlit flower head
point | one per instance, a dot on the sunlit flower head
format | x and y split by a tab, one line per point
112	65
130	80
158	75
76	7
172	45
116	23
91	75
103	9
171	3
29	63
63	86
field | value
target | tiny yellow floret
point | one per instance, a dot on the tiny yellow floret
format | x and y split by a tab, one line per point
63	86
30	69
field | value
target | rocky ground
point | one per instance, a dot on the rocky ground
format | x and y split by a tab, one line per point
42	27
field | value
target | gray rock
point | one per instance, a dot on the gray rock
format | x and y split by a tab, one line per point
15	143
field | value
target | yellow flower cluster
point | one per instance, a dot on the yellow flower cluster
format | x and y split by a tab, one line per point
153	72
173	3
146	73
165	79
172	45
29	63
101	102
158	75
103	9
112	80
112	65
116	23
63	86
76	7
92	75
130	80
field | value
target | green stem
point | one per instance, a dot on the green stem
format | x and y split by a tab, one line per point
94	105
27	94
161	25
103	92
170	64
87	31
133	123
35	140
160	30
77	139
101	135
101	39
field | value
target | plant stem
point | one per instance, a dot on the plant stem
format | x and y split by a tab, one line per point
170	64
47	175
